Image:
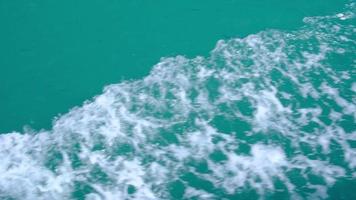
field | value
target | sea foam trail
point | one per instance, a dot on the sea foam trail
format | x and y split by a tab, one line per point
272	113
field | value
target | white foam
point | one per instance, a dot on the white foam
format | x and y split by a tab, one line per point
143	135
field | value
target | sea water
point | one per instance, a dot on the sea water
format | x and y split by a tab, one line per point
267	116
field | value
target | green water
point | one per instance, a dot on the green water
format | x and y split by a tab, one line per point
146	100
56	54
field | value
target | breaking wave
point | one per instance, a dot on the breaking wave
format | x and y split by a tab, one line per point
270	114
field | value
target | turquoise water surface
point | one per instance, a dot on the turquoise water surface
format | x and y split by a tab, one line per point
202	100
